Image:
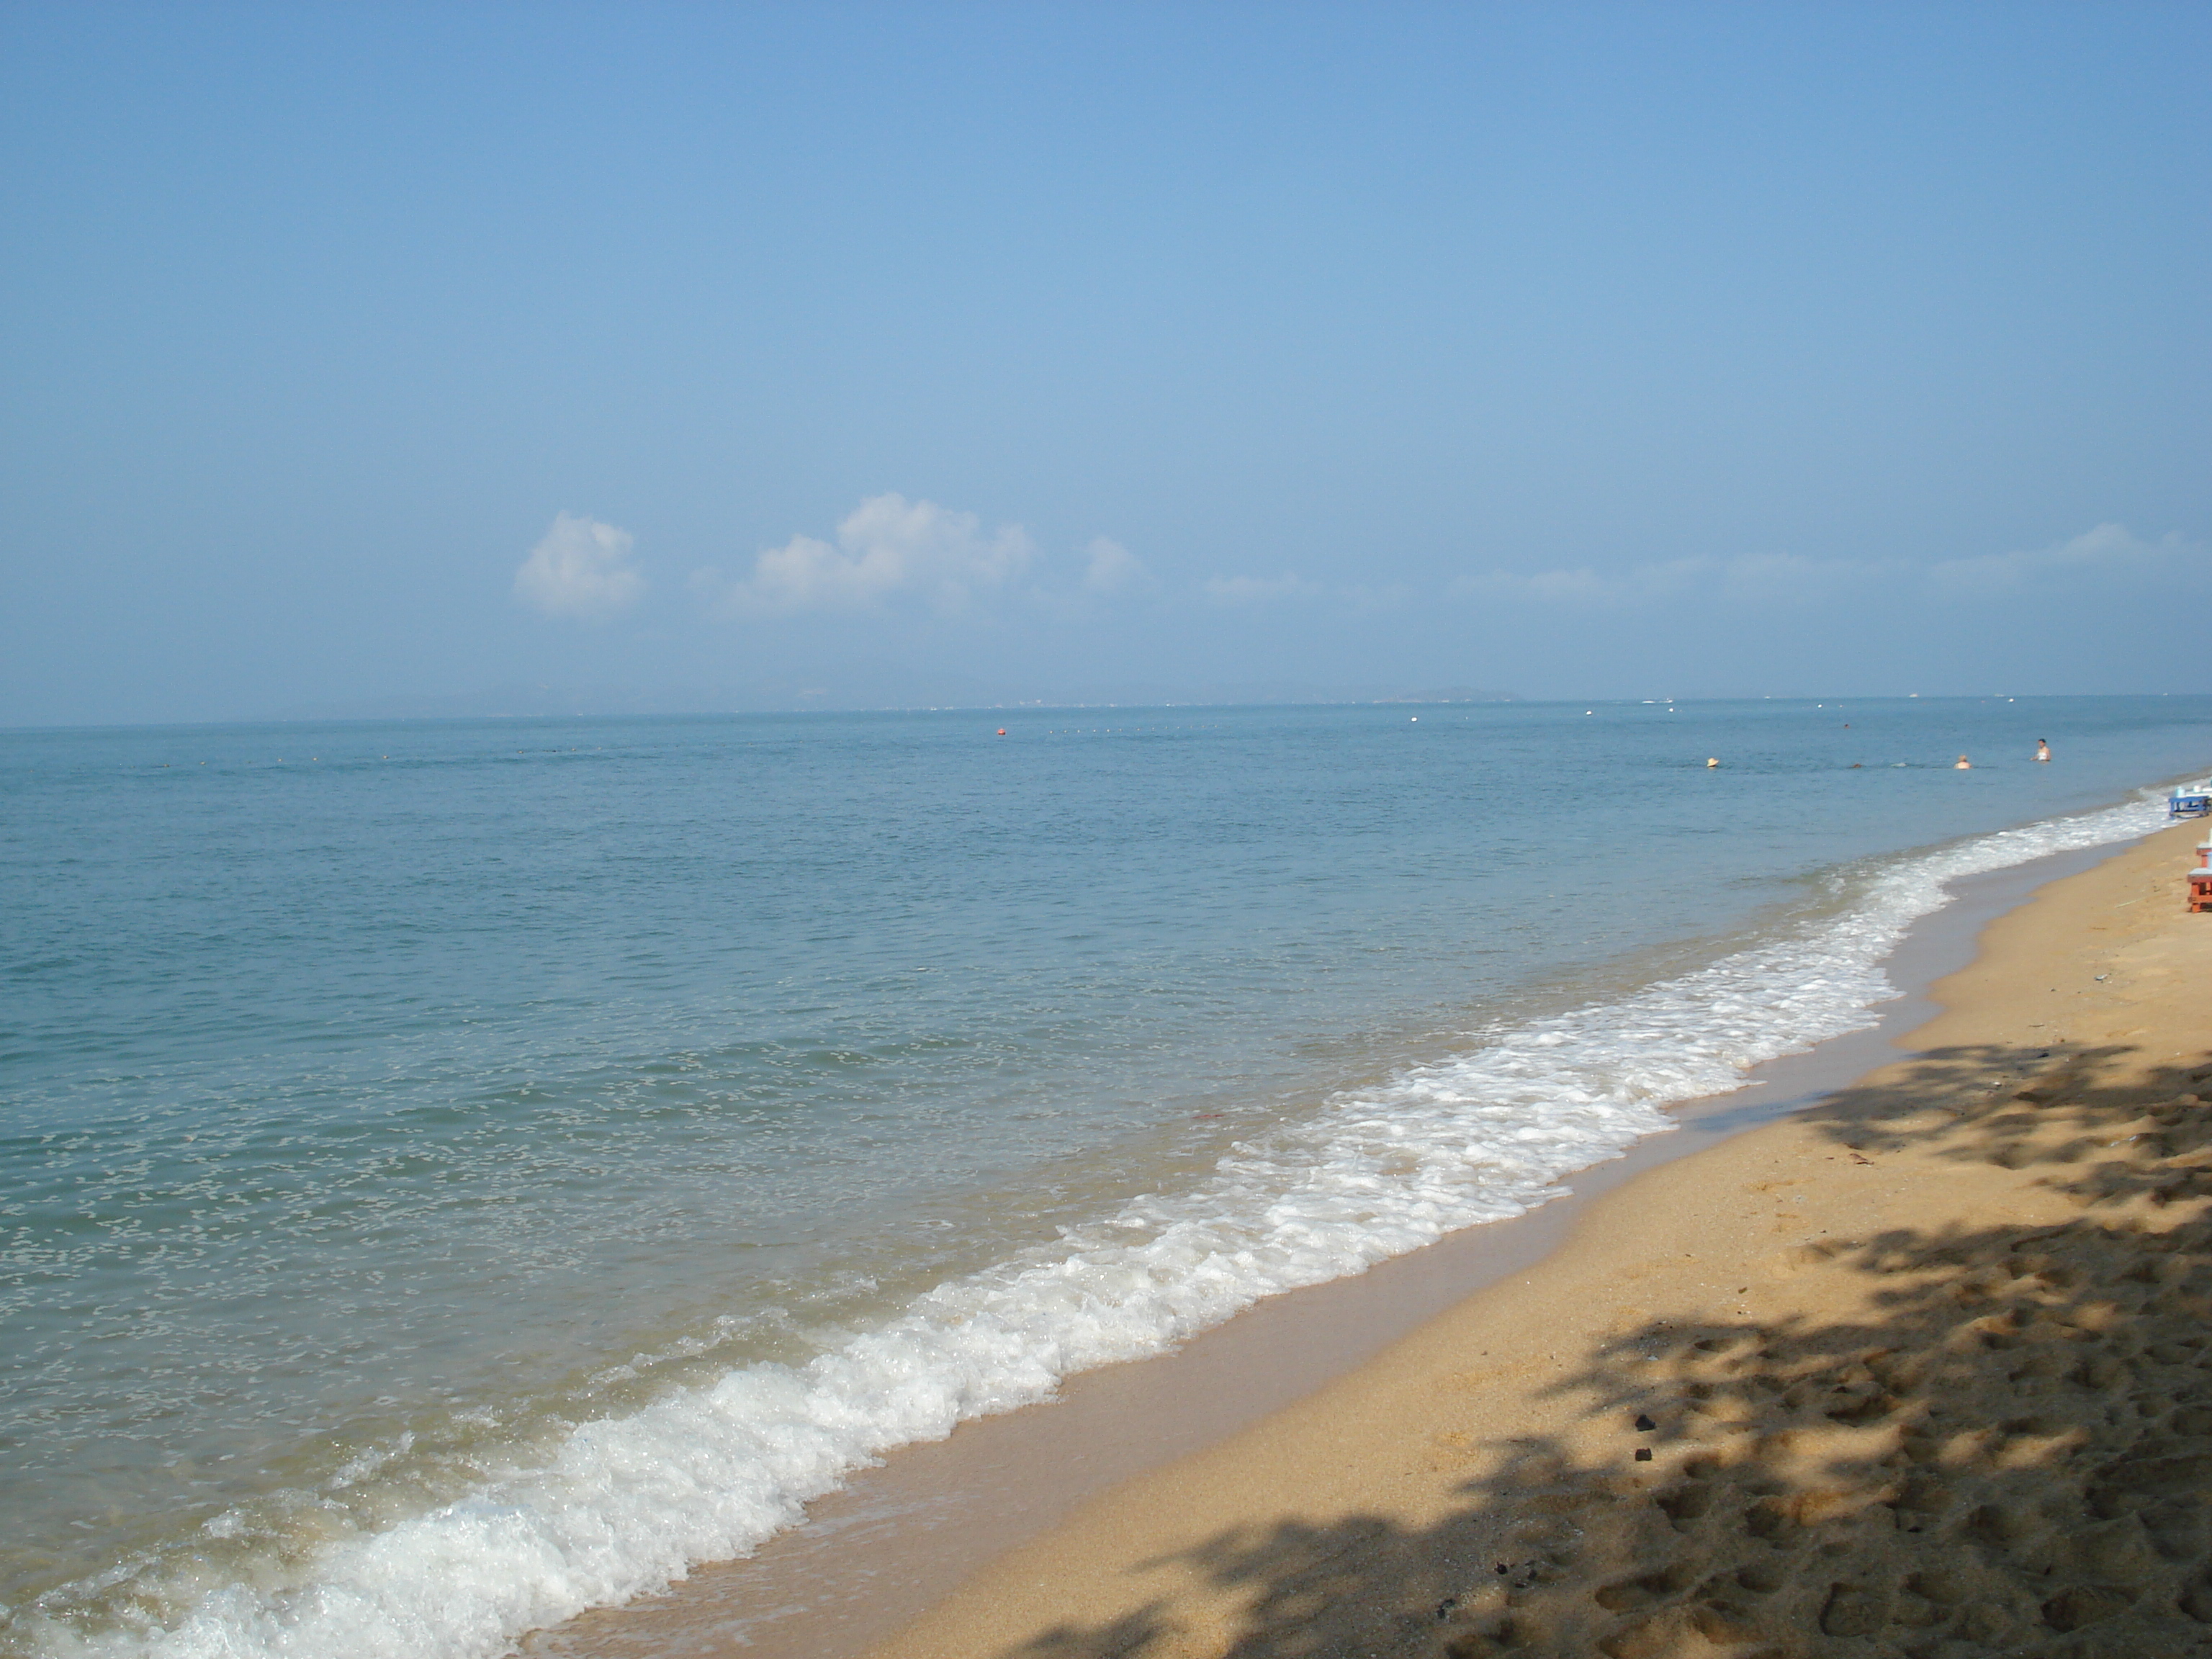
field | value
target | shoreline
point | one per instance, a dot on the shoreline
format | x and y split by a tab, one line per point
1924	1364
904	1541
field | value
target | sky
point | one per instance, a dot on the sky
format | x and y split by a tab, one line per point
362	353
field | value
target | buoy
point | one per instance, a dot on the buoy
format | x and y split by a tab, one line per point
1416	718
1002	731
1712	760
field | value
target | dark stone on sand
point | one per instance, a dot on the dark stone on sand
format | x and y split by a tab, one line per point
1644	1425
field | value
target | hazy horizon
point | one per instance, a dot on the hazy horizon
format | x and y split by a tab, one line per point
551	703
375	358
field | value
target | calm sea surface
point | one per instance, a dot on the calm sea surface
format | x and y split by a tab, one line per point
452	1173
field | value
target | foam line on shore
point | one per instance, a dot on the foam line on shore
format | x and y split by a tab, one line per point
625	1505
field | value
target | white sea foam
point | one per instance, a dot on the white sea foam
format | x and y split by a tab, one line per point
627	1504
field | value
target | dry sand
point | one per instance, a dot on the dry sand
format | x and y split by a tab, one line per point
1923	1373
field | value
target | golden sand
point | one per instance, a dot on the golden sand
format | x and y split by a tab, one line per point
1924	1372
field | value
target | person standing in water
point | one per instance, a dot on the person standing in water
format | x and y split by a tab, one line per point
2042	749
1962	764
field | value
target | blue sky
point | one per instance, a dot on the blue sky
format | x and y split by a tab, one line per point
357	353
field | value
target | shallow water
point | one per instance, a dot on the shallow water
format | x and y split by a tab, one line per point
454	1173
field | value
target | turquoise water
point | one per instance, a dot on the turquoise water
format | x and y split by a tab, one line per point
388	1111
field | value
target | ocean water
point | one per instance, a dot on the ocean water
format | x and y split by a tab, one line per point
455	1174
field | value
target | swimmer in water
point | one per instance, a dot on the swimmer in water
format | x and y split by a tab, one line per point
1962	764
2042	749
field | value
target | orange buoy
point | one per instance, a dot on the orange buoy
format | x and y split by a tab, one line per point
1002	731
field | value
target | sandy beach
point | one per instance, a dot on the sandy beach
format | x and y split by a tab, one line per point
1922	1372
847	831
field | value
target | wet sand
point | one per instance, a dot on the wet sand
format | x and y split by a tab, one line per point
905	1537
1923	1370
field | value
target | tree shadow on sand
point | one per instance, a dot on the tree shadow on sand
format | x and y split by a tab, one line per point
2011	1453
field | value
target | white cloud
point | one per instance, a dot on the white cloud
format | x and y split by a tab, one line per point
1636	585
1792	579
1259	590
580	569
1560	587
1112	568
886	547
1753	579
2111	551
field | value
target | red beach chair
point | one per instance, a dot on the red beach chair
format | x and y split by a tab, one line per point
2200	889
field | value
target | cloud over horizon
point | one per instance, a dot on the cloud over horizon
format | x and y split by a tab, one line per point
581	568
1112	568
2108	552
911	579
886	547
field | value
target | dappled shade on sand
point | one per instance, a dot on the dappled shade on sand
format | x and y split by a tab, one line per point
2007	1450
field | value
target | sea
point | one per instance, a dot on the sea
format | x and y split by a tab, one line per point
454	1174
